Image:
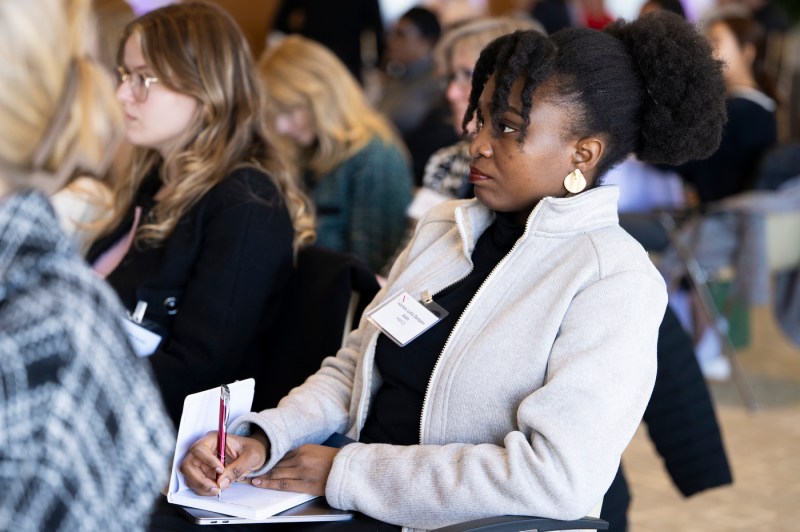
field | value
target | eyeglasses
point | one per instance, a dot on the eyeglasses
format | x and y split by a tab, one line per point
139	83
462	76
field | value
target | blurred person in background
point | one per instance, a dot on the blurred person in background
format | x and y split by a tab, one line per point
83	204
353	163
738	41
751	131
410	88
344	27
84	441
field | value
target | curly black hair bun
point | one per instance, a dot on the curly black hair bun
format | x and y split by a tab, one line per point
649	87
683	112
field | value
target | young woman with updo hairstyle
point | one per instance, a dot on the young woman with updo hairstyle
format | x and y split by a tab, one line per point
522	399
207	224
456	53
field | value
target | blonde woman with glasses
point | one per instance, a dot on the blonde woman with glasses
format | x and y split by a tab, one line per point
84	442
205	228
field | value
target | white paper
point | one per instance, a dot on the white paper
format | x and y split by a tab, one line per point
243	500
201	415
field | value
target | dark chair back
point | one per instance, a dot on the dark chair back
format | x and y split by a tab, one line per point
326	295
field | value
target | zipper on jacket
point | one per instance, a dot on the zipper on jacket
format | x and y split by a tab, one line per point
461	318
374	341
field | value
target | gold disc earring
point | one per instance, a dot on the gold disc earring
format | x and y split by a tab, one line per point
575	182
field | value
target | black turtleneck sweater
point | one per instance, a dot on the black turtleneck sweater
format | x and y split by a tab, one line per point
396	409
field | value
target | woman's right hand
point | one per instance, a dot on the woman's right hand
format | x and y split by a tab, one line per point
204	472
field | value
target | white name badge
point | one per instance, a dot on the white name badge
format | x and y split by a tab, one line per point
402	318
143	341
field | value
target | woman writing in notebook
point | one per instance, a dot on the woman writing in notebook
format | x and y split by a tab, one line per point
203	234
522	399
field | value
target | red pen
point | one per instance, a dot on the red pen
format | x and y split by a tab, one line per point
224	400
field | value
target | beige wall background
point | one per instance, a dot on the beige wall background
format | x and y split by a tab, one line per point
255	17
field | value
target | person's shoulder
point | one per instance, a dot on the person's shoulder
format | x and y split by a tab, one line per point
446	211
378	148
244	184
381	154
59	292
618	252
250	176
752	119
750	102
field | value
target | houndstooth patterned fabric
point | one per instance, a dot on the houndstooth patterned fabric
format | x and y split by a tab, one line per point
84	440
447	169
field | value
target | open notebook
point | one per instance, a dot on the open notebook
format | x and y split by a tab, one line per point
200	415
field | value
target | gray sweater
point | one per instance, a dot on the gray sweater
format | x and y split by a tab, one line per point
85	442
538	390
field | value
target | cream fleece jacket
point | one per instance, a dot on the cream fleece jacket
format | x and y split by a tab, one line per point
536	393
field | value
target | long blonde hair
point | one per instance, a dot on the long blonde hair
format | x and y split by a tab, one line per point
57	108
298	72
197	49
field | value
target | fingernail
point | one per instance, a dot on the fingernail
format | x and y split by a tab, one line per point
214	491
219	470
225	483
256	482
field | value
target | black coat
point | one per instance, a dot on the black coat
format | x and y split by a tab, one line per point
213	287
750	132
681	422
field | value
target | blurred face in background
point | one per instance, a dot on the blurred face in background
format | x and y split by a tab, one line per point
738	60
406	45
297	124
462	63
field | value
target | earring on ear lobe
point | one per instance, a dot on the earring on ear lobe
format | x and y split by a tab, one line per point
575	182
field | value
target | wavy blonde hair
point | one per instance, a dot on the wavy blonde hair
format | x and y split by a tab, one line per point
197	49
298	72
57	107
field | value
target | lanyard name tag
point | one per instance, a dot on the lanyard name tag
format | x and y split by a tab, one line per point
144	341
402	318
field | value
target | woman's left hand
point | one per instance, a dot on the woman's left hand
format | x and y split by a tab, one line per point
304	470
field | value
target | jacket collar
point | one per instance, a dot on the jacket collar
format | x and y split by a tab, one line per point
28	227
583	212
